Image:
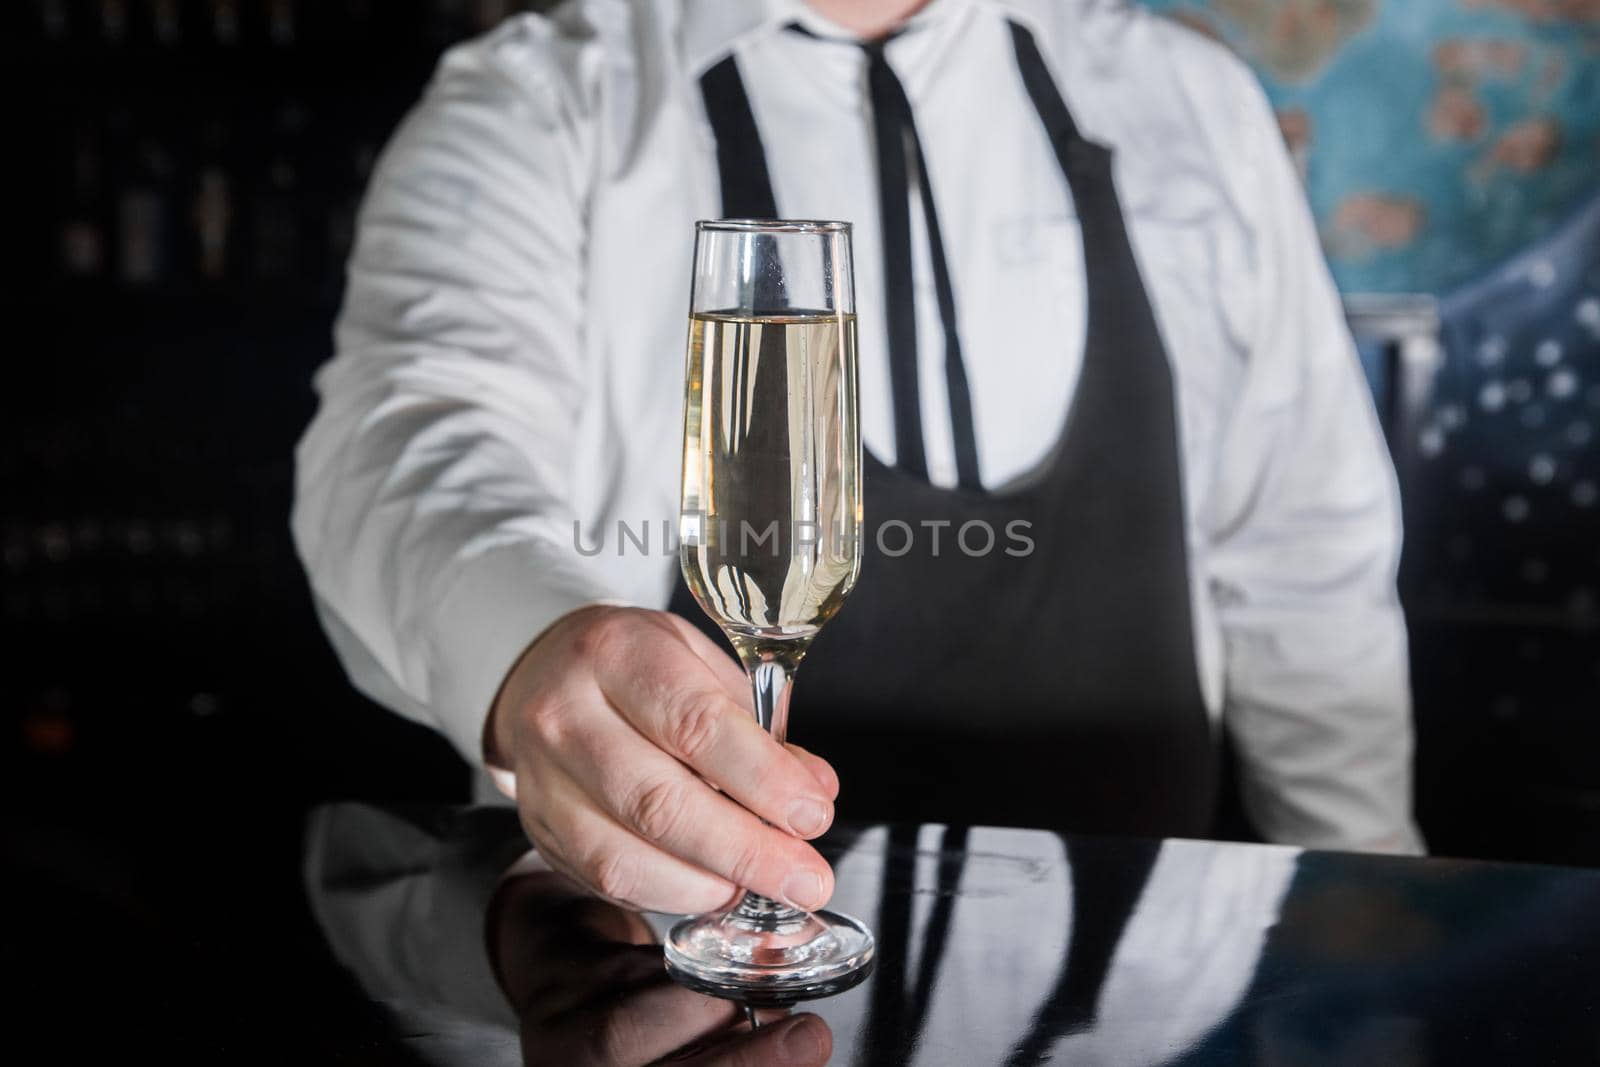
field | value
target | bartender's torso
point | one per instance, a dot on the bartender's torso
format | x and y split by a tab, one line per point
509	377
1010	232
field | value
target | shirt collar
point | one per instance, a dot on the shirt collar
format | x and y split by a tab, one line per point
712	28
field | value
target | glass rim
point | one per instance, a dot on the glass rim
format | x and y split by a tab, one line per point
771	226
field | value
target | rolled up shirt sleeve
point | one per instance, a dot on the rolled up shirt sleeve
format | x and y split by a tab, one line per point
432	498
1303	525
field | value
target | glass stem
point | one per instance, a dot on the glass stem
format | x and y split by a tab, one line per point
771	677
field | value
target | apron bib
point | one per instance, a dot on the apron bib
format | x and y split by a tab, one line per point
975	680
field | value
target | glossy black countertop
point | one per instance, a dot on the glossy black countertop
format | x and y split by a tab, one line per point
996	946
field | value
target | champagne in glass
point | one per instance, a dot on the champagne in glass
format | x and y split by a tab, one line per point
771	502
770	524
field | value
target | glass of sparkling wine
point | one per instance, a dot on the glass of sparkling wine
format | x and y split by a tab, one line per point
769	528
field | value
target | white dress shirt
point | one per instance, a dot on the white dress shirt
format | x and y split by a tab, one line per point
509	359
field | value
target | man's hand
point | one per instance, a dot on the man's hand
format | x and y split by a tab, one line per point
617	723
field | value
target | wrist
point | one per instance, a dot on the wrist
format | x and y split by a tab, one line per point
498	745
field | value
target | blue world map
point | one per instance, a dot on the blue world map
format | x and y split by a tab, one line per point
1437	137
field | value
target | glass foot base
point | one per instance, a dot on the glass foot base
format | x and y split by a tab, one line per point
764	954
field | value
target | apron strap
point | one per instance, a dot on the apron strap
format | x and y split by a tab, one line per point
1042	90
747	193
741	159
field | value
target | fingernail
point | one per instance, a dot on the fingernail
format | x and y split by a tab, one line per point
807	817
803	890
801	1043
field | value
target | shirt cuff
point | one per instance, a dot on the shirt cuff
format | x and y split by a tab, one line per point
499	603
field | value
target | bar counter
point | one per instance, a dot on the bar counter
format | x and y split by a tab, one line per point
995	946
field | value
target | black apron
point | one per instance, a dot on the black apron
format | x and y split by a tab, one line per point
1053	689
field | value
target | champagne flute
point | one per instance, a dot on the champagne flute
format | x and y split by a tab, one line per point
769	529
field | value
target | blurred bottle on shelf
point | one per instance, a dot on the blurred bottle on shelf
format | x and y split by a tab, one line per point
113	19
48	725
225	21
144	216
212	210
83	229
276	210
213	219
281	22
166	22
55	21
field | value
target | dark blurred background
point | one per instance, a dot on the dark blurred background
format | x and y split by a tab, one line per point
190	174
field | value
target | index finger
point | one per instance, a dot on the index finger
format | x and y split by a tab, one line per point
722	663
733	679
674	699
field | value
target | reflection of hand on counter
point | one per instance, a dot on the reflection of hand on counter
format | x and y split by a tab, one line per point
486	958
586	981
